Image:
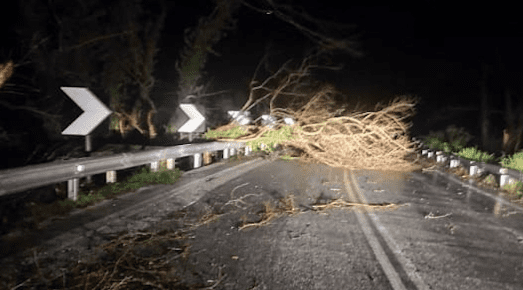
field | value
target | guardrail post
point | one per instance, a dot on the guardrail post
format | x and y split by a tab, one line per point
73	186
110	176
170	164
473	168
197	160
207	158
154	166
226	153
454	163
439	156
504	178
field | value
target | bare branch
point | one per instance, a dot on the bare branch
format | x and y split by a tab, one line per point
300	19
98	39
6	71
42	114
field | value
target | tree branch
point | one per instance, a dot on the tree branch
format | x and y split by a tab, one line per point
98	39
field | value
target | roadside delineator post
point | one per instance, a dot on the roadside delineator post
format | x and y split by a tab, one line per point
226	153
247	150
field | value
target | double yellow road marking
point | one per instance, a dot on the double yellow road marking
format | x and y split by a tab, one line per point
355	195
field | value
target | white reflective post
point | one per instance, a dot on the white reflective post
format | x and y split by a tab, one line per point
154	166
473	169
504	178
197	160
170	163
73	186
110	176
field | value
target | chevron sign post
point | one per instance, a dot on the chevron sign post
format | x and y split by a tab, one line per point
196	122
196	119
94	111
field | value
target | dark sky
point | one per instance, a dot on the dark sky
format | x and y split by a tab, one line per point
417	47
432	49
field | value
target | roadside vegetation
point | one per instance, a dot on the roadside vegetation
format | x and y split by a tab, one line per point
143	178
437	141
266	140
457	144
515	161
474	154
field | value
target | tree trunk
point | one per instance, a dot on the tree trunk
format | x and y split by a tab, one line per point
513	132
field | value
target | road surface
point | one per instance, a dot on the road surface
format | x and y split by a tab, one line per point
419	230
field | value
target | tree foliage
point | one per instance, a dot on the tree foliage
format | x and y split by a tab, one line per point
107	47
198	44
199	41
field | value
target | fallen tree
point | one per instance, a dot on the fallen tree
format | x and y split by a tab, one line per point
323	130
374	140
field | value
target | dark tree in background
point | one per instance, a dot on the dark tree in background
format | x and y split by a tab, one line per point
128	70
107	47
323	35
110	47
198	44
501	106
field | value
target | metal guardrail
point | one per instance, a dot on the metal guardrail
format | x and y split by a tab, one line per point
27	177
504	175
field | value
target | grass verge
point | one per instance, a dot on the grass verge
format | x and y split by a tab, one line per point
472	153
40	212
514	162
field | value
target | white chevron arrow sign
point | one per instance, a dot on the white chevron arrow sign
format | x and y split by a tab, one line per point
94	111
196	119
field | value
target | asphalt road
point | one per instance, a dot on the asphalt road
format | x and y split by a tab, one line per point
398	231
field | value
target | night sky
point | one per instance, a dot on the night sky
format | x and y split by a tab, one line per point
431	49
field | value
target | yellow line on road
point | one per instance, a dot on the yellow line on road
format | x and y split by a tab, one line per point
356	196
